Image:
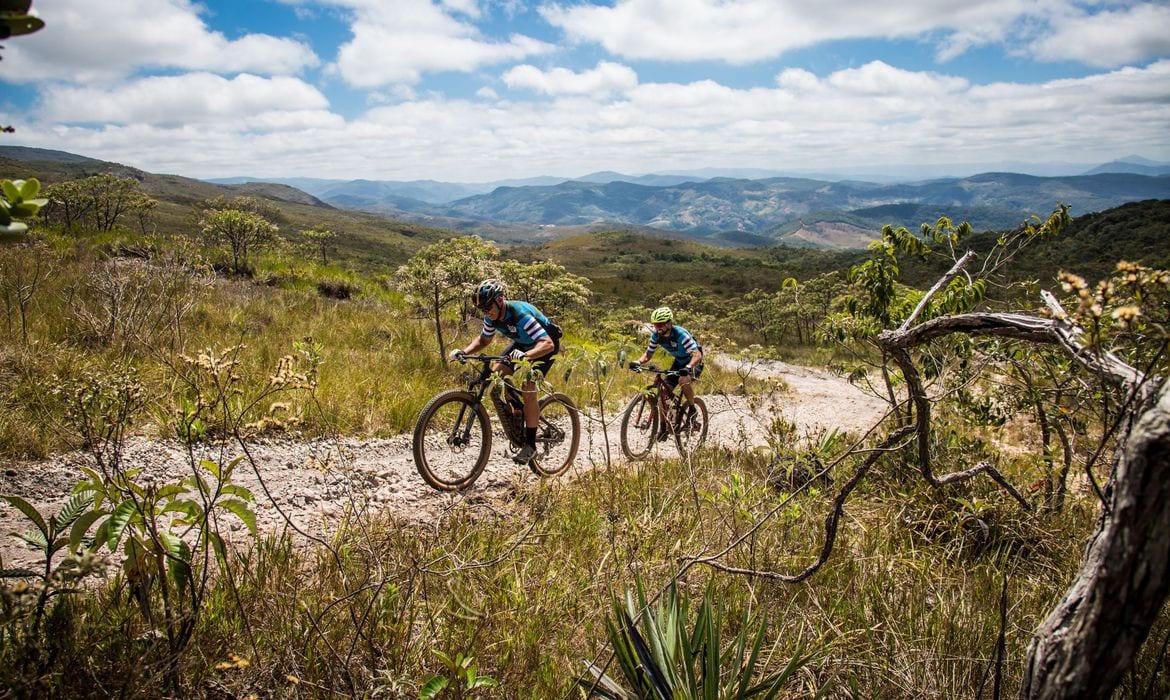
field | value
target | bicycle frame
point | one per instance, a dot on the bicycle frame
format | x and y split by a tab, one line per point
666	397
477	386
457	419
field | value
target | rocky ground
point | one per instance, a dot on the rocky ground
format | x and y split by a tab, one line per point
310	483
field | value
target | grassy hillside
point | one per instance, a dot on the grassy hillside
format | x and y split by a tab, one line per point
1091	247
929	592
634	268
365	241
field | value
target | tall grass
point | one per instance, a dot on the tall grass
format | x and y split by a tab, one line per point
908	606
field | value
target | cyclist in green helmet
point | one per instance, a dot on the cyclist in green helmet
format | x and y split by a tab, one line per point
687	354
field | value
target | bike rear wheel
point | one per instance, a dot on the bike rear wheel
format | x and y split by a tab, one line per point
557	436
452	441
691	433
639	426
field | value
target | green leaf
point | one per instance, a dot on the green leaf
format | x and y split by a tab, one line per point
29	512
29	188
77	504
11	191
210	466
34	538
242	512
80	527
192	509
433	687
180	572
118	521
24	210
169	490
217	543
240	492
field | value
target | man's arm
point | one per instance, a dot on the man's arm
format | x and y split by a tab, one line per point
696	358
543	347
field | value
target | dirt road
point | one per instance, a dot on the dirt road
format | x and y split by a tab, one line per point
312	482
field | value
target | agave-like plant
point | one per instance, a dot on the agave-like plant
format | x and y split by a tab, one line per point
668	662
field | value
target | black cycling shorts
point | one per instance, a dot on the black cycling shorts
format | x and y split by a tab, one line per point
543	364
672	379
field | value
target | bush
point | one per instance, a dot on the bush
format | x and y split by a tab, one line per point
337	288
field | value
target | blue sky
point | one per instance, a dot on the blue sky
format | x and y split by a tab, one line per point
483	90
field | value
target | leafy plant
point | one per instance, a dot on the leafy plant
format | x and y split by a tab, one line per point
52	534
462	671
670	662
19	202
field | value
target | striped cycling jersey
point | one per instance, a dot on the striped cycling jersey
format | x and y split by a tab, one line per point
522	323
681	344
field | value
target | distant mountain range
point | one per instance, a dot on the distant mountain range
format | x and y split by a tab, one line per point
725	210
797	211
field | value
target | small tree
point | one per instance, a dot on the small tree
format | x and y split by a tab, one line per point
100	201
23	269
243	232
320	239
442	274
546	283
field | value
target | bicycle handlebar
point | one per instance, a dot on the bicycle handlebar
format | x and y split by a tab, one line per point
635	367
483	358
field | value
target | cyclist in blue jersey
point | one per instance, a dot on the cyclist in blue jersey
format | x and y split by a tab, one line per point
687	354
524	325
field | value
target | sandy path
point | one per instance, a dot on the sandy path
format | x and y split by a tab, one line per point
312	482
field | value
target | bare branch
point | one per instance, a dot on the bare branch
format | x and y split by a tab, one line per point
943	282
831	521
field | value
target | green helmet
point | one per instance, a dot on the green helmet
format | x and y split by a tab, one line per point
662	314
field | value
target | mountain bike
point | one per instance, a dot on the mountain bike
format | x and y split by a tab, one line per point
643	417
453	434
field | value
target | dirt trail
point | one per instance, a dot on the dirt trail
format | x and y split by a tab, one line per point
312	482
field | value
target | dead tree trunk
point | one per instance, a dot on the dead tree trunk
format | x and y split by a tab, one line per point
1092	637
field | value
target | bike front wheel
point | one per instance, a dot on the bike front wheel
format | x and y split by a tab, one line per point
557	437
691	432
452	441
639	426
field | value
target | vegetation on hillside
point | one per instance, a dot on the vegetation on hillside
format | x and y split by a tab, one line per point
863	565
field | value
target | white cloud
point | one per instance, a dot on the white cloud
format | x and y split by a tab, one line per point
396	41
605	79
870	115
195	98
81	44
878	79
745	31
1109	39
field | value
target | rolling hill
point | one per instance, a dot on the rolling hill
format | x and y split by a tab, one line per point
721	211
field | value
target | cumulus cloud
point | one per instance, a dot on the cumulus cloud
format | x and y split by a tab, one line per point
744	31
868	115
605	79
396	41
131	34
194	98
1108	39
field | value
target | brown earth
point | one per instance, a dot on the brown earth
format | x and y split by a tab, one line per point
309	484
